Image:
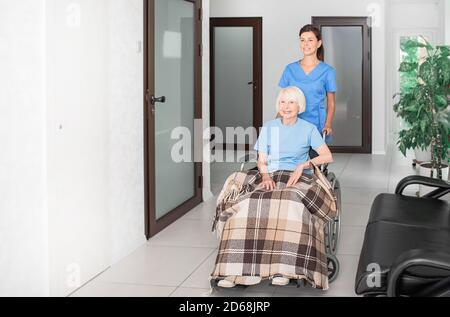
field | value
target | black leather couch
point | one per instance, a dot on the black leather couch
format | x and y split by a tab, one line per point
406	249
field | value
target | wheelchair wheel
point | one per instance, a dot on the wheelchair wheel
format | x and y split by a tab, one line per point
213	284
333	229
333	268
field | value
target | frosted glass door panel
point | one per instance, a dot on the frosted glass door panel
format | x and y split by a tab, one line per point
343	50
174	79
233	73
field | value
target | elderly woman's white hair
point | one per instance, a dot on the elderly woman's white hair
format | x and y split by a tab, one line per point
293	93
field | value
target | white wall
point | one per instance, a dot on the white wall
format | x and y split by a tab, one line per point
447	21
282	21
77	142
95	137
415	14
126	126
23	216
109	105
71	134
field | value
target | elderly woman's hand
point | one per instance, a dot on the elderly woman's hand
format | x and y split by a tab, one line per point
295	177
267	183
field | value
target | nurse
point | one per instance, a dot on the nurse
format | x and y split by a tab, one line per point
316	79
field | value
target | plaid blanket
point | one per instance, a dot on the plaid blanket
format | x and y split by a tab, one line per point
274	233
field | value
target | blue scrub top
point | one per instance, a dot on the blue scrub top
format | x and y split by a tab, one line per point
315	86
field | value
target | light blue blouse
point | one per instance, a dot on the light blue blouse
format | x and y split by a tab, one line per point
315	86
288	146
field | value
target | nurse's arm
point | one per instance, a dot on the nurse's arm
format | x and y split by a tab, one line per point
331	110
325	156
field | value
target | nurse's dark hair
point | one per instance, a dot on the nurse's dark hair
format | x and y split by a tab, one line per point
318	34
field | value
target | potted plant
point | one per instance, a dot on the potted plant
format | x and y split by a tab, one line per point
424	103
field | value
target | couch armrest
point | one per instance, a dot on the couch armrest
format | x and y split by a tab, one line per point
418	257
442	186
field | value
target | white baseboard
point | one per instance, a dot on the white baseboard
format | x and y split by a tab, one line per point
207	193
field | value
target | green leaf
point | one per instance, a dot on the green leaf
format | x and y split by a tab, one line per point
423	126
443	66
409	50
407	67
419	113
444	50
428	73
443	119
402	149
412	44
441	101
396	107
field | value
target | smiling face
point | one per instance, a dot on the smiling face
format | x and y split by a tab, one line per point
289	107
309	43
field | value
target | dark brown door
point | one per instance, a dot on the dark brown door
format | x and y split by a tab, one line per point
172	103
347	43
236	76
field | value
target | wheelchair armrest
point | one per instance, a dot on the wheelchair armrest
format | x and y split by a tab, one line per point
248	158
418	257
442	186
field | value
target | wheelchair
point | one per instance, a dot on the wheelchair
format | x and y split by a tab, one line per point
332	230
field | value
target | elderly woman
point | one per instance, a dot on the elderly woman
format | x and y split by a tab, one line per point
271	221
285	143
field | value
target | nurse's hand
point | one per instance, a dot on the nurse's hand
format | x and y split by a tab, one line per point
295	177
267	183
328	130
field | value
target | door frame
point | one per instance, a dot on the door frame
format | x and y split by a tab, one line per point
257	24
152	225
365	23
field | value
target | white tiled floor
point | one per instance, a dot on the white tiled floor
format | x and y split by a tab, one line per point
178	261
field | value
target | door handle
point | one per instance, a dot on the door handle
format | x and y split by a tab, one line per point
151	101
155	100
254	83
